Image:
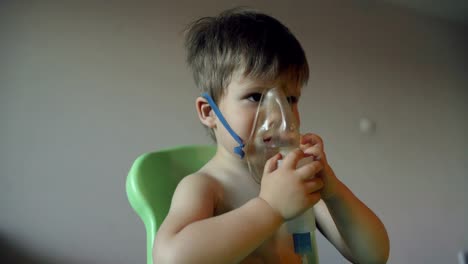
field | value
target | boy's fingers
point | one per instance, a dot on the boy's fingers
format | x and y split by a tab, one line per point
311	138
309	170
314	185
315	150
313	198
291	160
306	138
272	163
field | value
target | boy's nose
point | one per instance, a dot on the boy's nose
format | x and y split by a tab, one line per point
274	121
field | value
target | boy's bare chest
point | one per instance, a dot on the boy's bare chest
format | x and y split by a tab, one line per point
278	248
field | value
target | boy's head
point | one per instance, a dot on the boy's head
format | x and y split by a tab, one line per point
242	42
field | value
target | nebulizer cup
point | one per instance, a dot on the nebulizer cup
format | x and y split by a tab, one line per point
276	130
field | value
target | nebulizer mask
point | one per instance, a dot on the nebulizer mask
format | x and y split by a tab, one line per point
275	130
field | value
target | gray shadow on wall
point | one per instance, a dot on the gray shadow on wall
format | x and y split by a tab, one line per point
13	253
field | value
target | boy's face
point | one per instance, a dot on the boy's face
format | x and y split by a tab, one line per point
240	101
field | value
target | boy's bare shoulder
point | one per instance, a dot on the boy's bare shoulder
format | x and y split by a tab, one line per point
195	198
199	187
201	179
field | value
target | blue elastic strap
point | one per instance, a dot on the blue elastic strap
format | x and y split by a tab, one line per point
239	149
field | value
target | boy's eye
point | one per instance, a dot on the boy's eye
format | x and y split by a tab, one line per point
255	97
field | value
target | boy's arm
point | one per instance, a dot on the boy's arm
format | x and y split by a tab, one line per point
346	221
352	227
191	234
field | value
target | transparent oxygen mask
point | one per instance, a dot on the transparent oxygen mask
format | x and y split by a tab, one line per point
275	129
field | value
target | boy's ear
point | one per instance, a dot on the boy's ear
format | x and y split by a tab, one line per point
205	112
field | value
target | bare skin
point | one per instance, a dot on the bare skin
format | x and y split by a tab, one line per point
221	215
262	240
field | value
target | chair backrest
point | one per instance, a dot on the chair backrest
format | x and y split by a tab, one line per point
153	178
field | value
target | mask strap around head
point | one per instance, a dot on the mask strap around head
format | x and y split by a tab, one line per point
239	149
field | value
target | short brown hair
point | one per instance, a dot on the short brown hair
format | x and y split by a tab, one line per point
245	41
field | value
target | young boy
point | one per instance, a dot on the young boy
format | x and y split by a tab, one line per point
220	214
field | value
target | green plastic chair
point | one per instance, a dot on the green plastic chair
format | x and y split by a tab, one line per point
153	178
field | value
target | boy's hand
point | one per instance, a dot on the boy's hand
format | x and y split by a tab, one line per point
312	145
288	190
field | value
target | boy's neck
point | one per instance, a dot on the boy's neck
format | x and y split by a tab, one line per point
230	162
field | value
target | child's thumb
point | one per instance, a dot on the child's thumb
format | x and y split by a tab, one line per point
272	163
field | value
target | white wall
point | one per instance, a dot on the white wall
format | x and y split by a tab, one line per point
86	88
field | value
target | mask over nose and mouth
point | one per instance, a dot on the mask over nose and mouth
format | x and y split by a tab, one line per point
275	129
